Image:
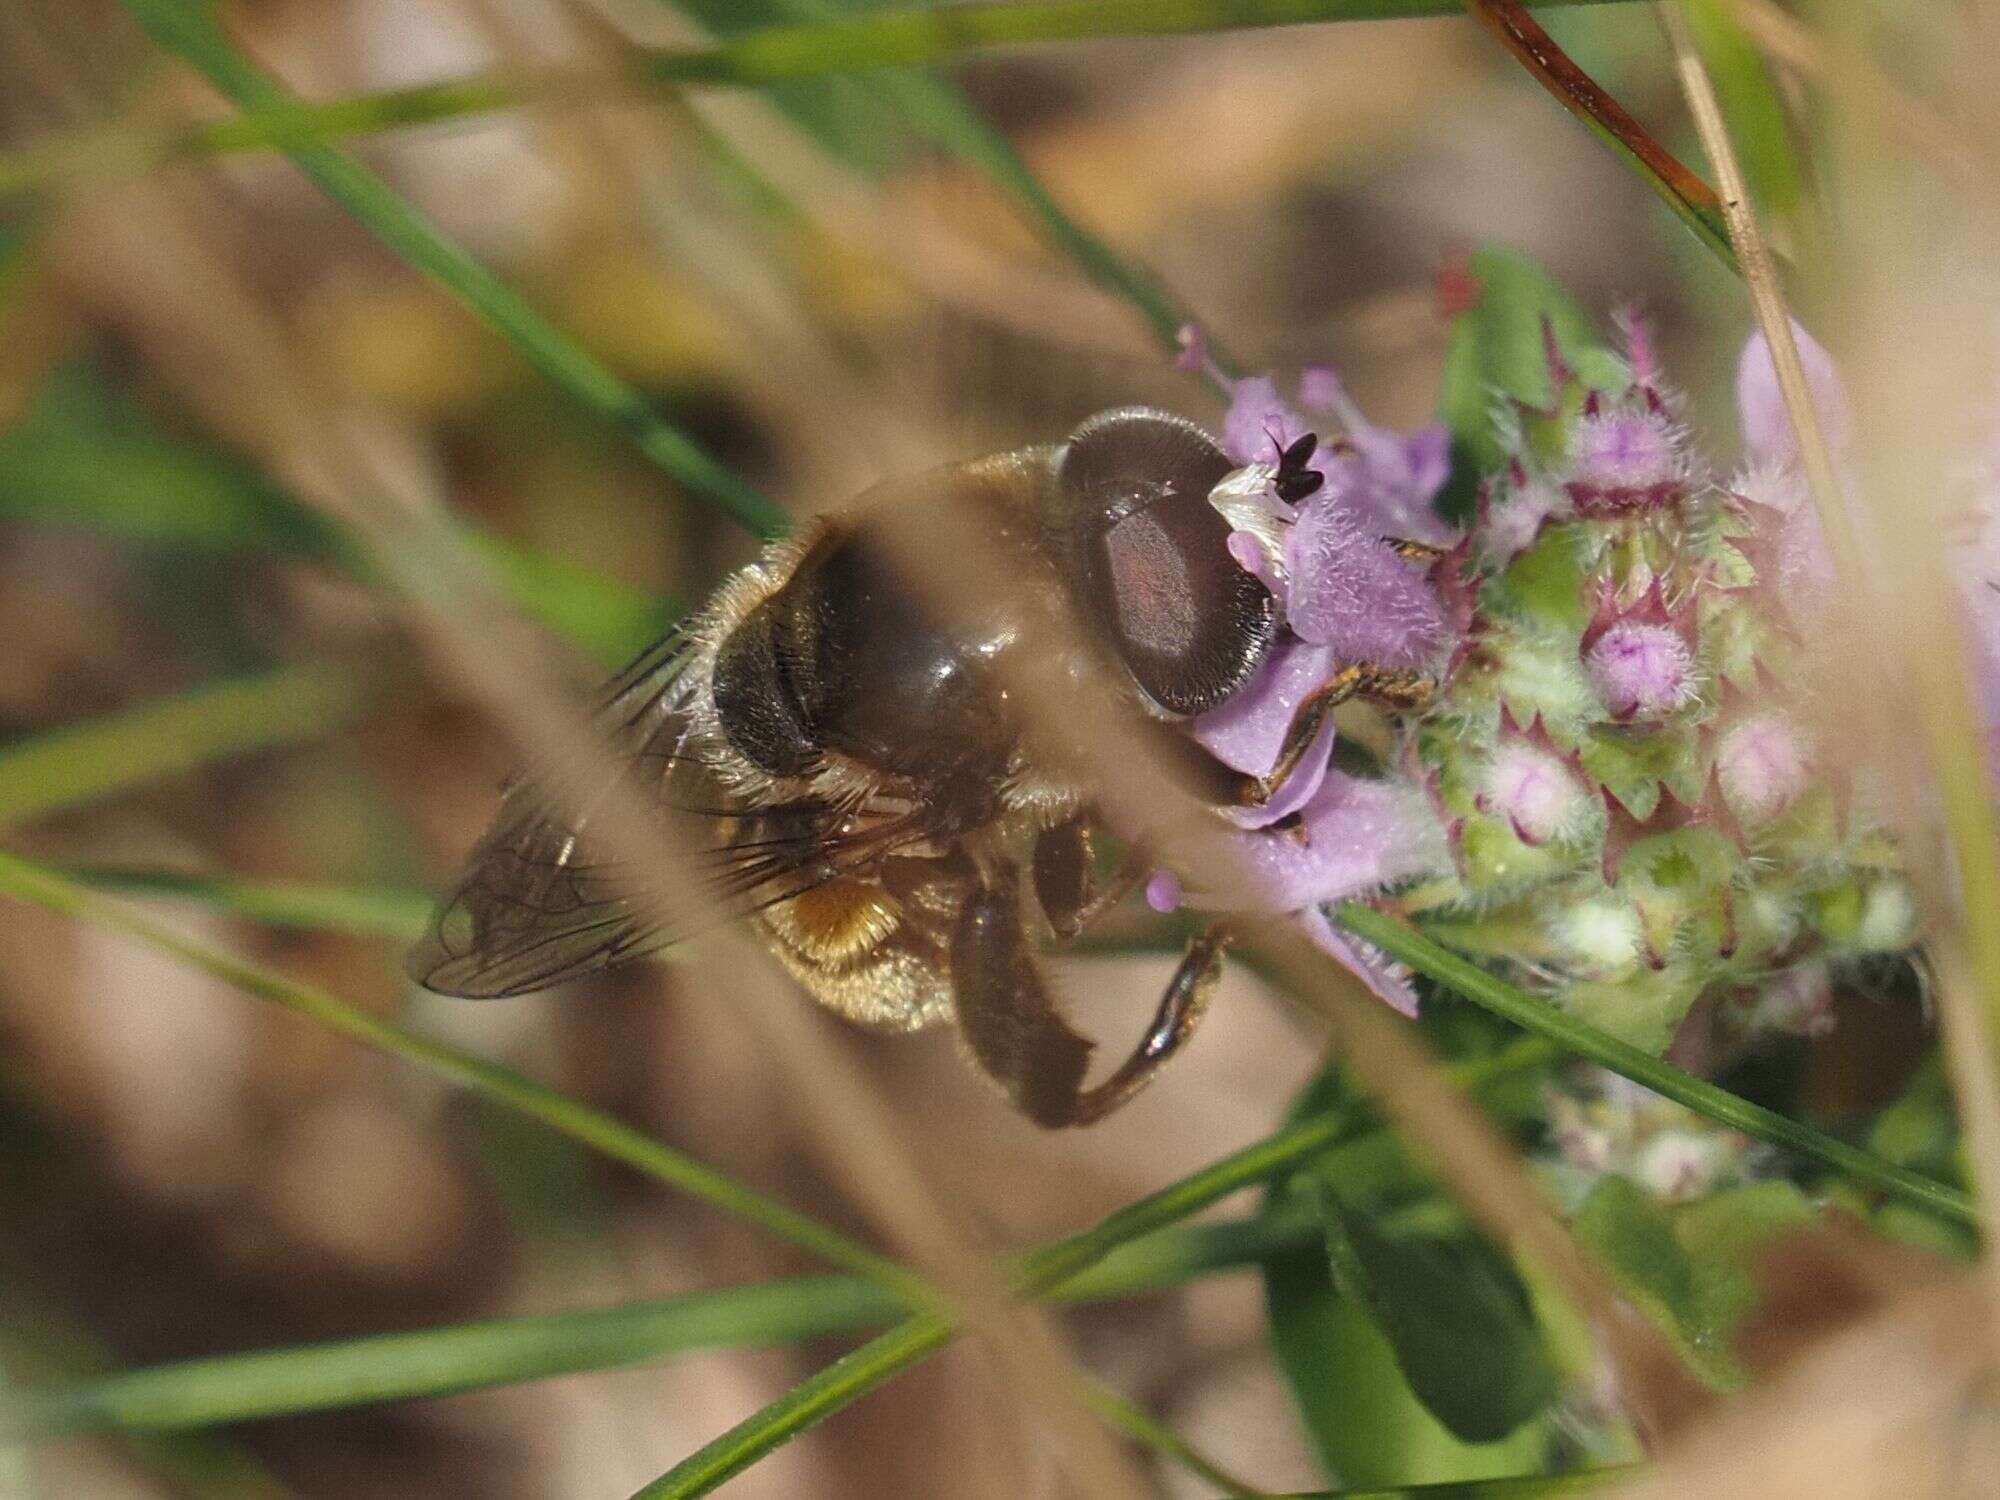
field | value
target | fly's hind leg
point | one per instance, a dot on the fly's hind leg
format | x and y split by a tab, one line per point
1011	1026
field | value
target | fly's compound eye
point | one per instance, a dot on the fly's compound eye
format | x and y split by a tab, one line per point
1189	624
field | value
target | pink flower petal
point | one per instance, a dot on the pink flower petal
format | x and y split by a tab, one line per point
1259	424
1349	590
1247	733
1392	480
1365	961
1760	406
1299	787
1354	837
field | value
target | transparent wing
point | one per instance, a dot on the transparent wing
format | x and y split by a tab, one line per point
538	904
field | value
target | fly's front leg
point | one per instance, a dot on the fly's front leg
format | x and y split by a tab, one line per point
1418	552
1303	731
1014	1032
1398	688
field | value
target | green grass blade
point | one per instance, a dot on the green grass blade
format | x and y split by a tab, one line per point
768	55
360	911
1055	1269
1128	1417
185	28
82	762
1406	944
471	1356
85	454
1691	200
1758	122
941	114
938	112
804	1406
438	1361
1511	1487
504	1351
605	618
45	887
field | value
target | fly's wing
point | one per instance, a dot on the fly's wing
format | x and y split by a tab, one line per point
537	904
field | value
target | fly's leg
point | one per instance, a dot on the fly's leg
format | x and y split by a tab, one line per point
1304	729
1011	1026
1420	552
1399	688
1066	885
1181	1009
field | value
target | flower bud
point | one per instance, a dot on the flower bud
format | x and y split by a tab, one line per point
1623	459
1760	764
1534	792
1641	670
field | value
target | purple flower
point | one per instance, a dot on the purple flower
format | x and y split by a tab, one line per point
1386	480
1248	732
1261	424
1348	589
1768	435
1624	458
1347	597
1799	569
1348	839
1346	594
1802	565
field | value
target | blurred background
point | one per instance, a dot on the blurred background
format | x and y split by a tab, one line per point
801	282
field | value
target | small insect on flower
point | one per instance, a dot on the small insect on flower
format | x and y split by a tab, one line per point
1294	481
874	797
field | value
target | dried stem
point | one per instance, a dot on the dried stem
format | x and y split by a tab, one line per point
1971	1029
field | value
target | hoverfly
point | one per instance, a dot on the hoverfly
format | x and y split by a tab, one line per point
879	808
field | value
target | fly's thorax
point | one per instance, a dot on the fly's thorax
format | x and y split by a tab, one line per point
836	666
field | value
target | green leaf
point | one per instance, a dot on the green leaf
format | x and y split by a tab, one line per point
1456	1317
1690	1271
1631	764
1545	583
1498	355
1722	1235
1367	1425
1364	1419
1634	1237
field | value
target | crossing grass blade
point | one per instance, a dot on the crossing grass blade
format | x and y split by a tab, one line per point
36	883
187	30
80	763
